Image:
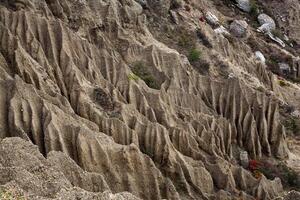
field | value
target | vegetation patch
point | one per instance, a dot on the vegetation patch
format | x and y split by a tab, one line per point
278	33
10	195
260	88
103	99
273	61
202	66
140	71
133	77
283	83
289	177
254	10
194	55
292	126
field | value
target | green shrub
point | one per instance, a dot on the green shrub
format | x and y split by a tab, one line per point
133	77
273	61
277	33
140	71
289	177
194	55
254	11
283	83
260	88
292	126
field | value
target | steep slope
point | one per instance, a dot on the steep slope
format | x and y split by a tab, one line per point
69	86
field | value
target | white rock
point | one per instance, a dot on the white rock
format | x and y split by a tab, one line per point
264	19
221	31
286	38
265	28
244	158
266	22
211	19
260	57
276	39
244	5
231	75
296	113
239	28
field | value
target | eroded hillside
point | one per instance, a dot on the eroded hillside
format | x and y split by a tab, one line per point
124	99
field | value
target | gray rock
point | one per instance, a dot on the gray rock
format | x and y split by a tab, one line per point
266	22
174	17
239	28
211	18
244	5
284	68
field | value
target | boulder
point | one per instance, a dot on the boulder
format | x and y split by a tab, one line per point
211	19
221	30
260	57
239	28
267	26
244	5
266	22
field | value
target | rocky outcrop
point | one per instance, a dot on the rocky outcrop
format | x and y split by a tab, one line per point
24	169
68	87
286	15
266	22
239	28
244	5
